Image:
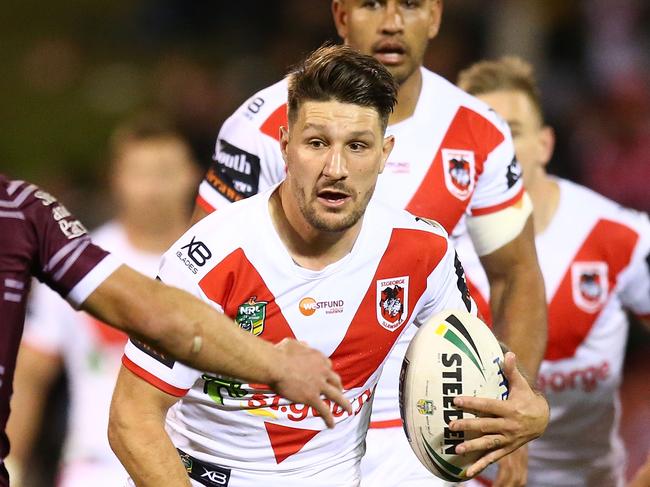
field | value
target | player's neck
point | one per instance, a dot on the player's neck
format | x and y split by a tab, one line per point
545	195
309	247
407	98
152	238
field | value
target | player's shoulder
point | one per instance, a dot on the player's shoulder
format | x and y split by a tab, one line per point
263	107
16	195
443	89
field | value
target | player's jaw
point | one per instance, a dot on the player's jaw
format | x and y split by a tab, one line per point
334	207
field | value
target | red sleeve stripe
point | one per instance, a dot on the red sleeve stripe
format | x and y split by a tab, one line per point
152	379
388	423
203	204
493	209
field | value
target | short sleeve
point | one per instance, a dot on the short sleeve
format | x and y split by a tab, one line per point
634	281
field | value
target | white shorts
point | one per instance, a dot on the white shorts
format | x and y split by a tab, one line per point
390	462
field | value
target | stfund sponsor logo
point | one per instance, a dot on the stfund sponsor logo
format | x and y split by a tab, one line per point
460	173
308	306
452	386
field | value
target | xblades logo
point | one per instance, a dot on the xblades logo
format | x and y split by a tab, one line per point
198	252
217	478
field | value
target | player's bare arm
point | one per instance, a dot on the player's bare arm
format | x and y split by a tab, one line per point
511	423
136	433
198	214
517	298
180	325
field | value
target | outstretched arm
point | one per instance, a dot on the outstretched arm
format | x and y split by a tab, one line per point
180	325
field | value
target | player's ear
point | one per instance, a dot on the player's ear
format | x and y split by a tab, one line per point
435	16
547	143
340	15
387	147
284	142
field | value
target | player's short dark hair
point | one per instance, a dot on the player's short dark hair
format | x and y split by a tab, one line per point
506	73
337	72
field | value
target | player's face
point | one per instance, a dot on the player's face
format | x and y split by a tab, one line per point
334	153
533	141
395	32
153	180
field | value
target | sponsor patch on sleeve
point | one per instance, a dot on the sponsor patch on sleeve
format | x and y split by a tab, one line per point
235	173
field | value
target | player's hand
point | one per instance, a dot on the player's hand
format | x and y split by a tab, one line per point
505	425
304	375
513	469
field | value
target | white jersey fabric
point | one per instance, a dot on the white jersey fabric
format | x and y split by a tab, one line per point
400	271
91	352
595	259
453	157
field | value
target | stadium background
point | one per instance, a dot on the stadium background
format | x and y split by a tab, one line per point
72	69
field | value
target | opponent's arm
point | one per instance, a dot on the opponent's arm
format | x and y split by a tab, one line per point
35	374
517	298
136	433
180	325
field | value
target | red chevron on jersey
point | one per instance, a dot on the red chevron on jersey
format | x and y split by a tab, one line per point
585	286
365	333
456	166
233	283
277	119
287	441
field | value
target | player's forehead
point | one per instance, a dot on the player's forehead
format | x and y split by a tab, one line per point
335	117
512	105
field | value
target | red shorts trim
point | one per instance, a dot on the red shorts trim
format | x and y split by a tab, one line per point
152	379
493	209
388	423
203	204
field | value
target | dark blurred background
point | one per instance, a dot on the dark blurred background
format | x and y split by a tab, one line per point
72	69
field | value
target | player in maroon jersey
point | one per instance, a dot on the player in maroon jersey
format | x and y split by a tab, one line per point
39	237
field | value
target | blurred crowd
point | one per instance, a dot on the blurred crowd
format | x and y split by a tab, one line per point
75	69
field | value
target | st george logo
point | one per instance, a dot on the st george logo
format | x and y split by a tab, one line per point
198	252
589	285
392	302
458	166
251	315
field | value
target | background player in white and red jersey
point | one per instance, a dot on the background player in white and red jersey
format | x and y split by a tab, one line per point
311	259
152	179
452	158
39	237
595	258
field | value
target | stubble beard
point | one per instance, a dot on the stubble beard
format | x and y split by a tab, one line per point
332	225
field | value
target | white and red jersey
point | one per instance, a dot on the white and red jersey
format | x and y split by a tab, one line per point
595	259
400	271
91	353
453	157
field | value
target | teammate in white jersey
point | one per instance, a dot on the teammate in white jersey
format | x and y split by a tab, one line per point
595	258
310	259
452	158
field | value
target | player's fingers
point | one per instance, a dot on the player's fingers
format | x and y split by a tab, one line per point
483	443
323	411
512	372
335	380
481	425
335	394
487	459
481	405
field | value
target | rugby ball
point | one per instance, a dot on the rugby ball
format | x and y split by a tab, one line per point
453	354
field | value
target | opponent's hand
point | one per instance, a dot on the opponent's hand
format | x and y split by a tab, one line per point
506	425
513	469
305	374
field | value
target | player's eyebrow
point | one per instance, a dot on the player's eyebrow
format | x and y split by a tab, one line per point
325	127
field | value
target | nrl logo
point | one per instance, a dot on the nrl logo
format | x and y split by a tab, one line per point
458	166
392	302
251	315
589	285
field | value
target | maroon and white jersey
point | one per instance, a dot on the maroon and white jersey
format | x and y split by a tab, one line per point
400	272
595	259
453	157
38	237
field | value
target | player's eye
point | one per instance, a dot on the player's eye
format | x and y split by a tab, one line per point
357	146
370	4
316	143
412	3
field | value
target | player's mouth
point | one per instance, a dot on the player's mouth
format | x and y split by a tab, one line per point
332	198
389	52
